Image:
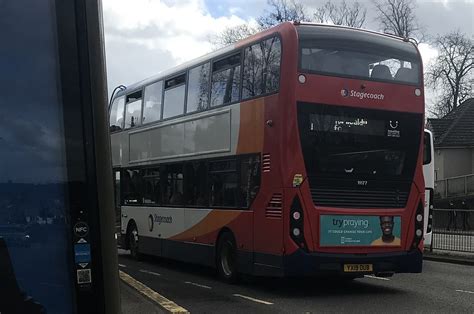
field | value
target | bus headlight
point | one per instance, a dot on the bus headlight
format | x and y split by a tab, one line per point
419	217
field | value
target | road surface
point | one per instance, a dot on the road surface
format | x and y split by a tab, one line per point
441	288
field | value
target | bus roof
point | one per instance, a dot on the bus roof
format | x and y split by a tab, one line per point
228	49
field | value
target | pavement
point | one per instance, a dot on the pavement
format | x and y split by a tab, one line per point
441	288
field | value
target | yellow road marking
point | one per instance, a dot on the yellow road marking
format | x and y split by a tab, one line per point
167	305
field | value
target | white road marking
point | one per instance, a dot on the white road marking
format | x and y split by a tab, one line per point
122	265
375	277
197	285
149	272
253	299
465	291
165	304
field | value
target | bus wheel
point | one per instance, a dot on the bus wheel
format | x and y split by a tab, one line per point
133	241
227	258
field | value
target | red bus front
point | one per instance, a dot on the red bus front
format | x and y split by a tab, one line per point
351	109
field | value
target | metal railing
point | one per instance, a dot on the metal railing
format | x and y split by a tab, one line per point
453	230
455	186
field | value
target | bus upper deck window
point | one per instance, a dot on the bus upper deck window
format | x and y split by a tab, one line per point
133	110
116	114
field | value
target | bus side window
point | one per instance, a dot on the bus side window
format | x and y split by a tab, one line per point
225	85
116	114
152	102
198	88
427	149
174	96
224	183
133	110
261	72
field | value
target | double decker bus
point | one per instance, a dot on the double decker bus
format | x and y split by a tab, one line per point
429	176
297	151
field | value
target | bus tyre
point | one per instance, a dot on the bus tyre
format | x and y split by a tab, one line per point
133	242
226	259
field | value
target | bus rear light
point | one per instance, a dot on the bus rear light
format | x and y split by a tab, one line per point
417	92
418	226
296	232
296	215
297	223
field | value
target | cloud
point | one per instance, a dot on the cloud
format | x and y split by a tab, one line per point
144	37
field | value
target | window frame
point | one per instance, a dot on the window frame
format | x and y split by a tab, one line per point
228	55
276	35
141	90
123	114
185	83
162	96
209	82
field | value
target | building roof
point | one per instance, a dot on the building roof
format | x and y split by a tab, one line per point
456	128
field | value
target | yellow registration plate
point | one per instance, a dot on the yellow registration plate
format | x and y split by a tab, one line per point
354	268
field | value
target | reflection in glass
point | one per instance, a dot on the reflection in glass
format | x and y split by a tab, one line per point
198	88
116	114
152	102
35	255
174	101
133	113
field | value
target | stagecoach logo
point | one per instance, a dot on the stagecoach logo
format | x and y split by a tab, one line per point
150	222
361	95
344	92
159	220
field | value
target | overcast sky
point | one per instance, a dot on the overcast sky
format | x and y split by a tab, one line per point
144	37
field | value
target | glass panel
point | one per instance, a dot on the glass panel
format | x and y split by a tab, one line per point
225	86
224	184
427	149
151	186
132	184
152	102
252	84
356	54
133	113
172	184
271	70
116	114
174	101
250	179
358	143
261	68
195	184
198	88
35	252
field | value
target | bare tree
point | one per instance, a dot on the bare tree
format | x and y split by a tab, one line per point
398	17
452	71
341	14
282	11
231	35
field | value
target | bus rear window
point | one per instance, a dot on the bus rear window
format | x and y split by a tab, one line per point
357	54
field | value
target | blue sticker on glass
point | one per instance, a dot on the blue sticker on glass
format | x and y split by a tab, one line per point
82	253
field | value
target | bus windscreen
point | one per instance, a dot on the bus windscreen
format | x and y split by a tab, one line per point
359	55
344	142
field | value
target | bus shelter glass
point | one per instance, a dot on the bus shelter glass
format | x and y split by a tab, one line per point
35	274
